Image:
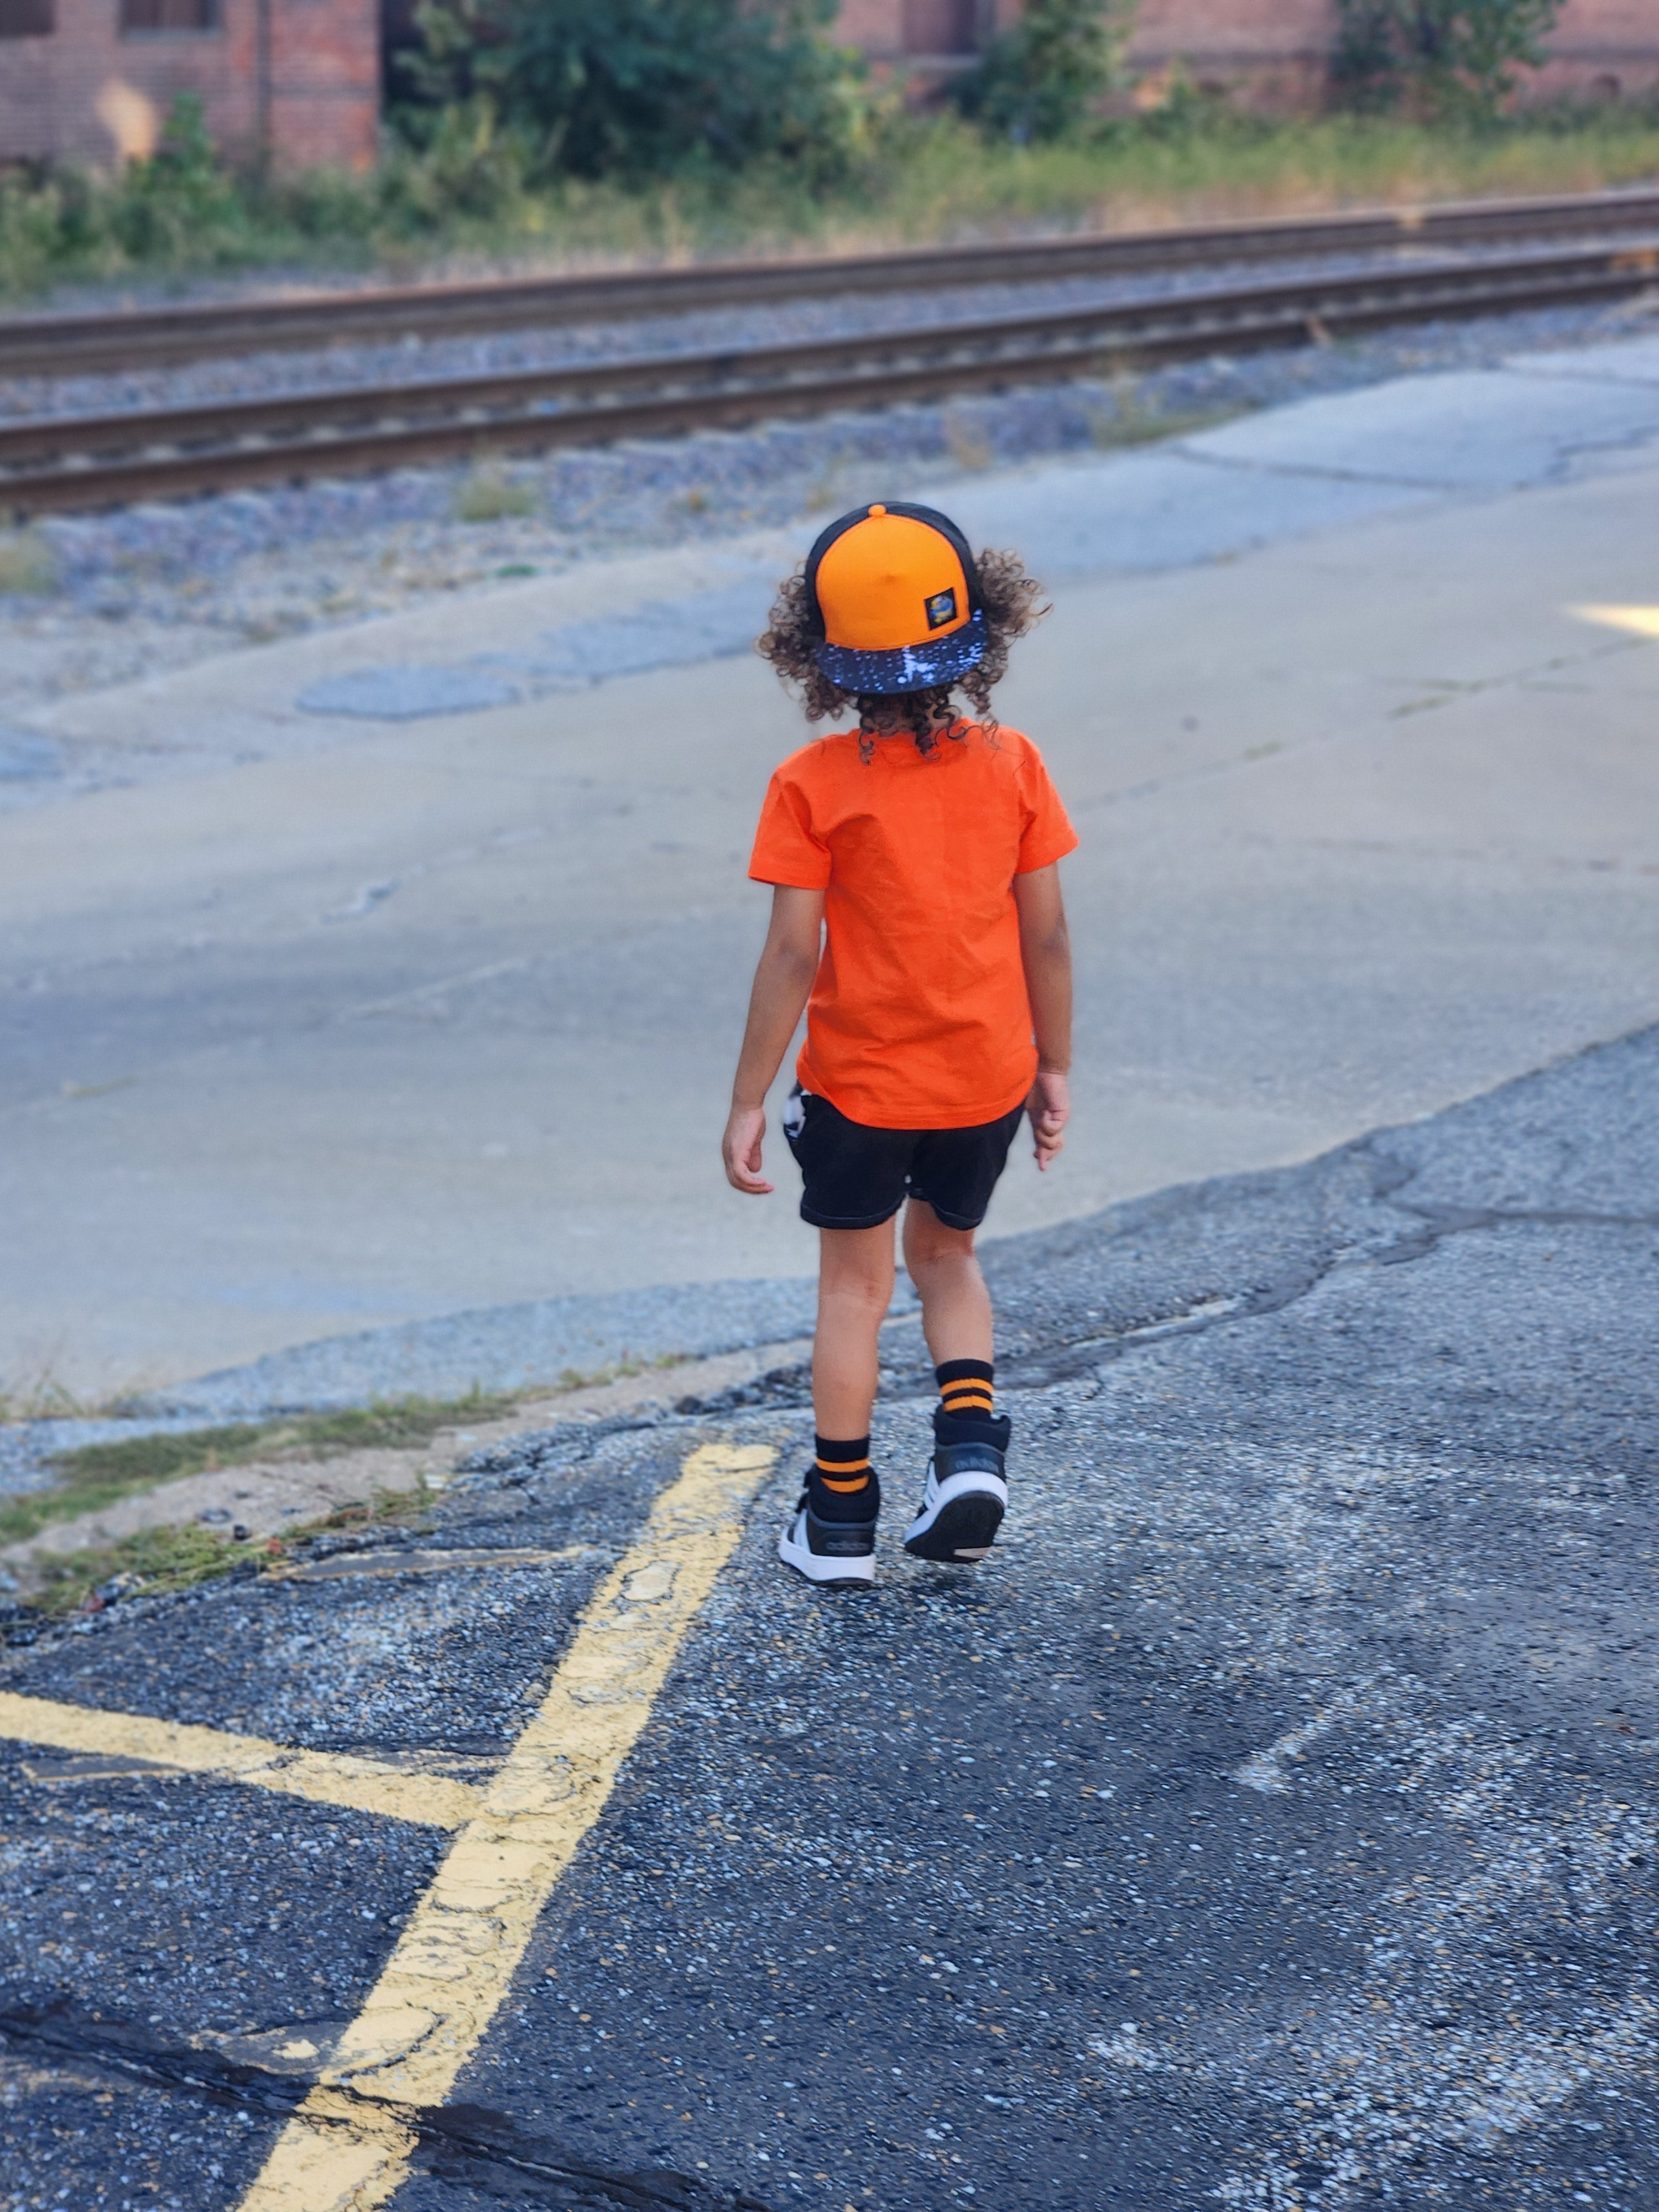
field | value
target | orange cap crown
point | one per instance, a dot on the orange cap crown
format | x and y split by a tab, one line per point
890	581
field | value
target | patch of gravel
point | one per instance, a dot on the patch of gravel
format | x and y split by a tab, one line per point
156	586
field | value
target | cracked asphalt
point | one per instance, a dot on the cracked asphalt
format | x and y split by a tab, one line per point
1271	1823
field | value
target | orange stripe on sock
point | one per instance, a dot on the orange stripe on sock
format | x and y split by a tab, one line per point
863	1482
955	1400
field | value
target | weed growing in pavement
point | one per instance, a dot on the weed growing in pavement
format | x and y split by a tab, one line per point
1137	426
157	1562
488	494
387	1509
41	1396
28	564
966	441
572	1378
94	1476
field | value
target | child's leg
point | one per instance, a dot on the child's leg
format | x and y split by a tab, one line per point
967	1488
855	1288
831	1539
955	1306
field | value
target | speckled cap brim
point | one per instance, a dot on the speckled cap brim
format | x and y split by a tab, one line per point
908	667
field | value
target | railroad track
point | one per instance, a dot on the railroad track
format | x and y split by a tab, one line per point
79	461
82	344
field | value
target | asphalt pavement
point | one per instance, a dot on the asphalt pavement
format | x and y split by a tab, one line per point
1271	1823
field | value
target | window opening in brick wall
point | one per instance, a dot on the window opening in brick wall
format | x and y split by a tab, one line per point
941	27
26	18
143	16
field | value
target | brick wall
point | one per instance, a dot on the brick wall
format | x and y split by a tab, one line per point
1609	48
308	82
1274	54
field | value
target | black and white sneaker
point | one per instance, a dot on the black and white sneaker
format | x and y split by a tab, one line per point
838	1554
965	1496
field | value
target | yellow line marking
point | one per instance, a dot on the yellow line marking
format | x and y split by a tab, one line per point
454	1962
328	1778
1641	622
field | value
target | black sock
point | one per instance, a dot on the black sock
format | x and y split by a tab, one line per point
842	1484
964	1389
966	1412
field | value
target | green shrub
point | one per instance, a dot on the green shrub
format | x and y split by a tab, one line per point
1048	74
645	88
1445	58
168	204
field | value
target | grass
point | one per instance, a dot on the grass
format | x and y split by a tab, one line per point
487	495
95	1476
28	564
1135	425
158	1562
922	180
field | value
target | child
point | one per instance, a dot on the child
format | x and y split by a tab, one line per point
916	899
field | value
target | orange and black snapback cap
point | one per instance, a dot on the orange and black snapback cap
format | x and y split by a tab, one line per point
895	598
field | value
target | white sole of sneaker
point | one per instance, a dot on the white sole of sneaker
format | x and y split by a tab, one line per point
959	1519
849	1573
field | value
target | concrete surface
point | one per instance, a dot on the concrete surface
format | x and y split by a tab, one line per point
1271	1823
325	1025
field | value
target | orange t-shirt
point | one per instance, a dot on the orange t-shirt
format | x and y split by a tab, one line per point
919	1018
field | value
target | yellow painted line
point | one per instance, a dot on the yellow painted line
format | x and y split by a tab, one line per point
1641	622
454	1962
326	1778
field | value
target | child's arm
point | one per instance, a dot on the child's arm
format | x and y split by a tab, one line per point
783	978
1045	951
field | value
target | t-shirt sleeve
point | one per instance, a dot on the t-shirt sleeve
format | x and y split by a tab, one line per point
787	850
1046	832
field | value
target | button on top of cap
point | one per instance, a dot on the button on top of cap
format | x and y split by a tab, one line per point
879	510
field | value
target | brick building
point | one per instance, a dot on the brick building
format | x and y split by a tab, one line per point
1271	54
91	80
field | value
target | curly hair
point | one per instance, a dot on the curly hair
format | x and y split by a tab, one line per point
1010	599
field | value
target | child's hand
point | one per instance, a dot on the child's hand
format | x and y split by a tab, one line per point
740	1148
1050	1108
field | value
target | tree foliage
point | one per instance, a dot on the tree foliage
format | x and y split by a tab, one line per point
1446	58
647	86
1046	75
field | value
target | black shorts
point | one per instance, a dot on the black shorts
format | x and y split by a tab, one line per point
857	1177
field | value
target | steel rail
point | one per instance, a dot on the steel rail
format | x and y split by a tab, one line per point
65	462
84	345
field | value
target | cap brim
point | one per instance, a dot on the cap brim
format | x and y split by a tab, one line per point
907	667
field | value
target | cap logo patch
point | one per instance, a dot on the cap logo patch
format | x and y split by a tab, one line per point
941	609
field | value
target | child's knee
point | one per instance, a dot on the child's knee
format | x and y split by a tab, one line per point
857	1265
927	1241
